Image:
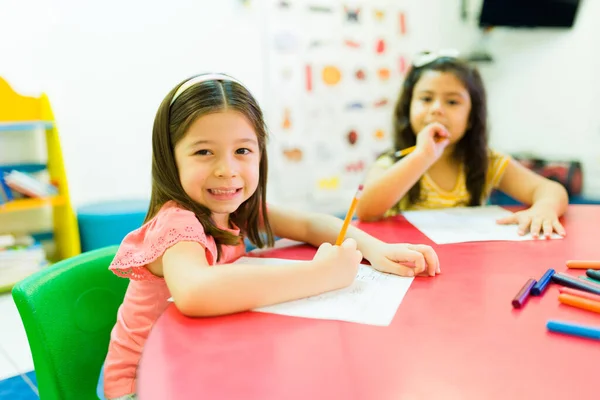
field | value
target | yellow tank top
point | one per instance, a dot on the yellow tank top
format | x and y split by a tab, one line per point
432	196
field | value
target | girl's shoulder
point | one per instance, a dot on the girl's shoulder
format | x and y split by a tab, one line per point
494	155
497	160
172	224
497	163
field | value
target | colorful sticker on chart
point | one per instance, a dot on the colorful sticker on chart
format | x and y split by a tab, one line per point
352	14
360	74
286	42
319	9
380	46
329	183
402	65
379	134
308	75
353	44
383	74
379	15
402	23
287	122
352	137
381	102
293	155
355	106
331	75
356	166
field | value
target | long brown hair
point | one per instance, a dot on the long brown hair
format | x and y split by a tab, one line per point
172	122
472	149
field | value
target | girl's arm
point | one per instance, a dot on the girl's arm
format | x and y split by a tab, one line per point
548	199
199	289
383	188
315	229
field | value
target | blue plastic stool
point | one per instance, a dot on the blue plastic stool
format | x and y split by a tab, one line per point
106	223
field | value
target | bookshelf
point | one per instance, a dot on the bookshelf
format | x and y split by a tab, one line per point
25	114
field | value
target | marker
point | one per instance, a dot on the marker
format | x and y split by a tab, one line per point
583	264
542	284
523	294
593	274
590	280
568	328
574	283
579	293
579	302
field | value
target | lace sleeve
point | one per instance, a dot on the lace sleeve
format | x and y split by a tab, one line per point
148	243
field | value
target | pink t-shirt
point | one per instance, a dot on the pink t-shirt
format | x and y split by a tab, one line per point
147	294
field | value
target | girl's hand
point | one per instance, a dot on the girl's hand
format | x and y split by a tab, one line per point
338	263
404	259
432	141
536	219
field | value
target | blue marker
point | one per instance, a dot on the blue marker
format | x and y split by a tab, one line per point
575	283
541	285
568	328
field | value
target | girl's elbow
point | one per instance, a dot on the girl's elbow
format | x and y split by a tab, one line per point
561	191
194	308
186	304
360	213
364	214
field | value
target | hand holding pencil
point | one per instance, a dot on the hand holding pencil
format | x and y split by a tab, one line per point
431	141
395	258
338	265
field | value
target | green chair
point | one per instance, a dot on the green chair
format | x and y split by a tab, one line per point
68	311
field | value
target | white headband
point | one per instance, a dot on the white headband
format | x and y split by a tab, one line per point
202	78
427	57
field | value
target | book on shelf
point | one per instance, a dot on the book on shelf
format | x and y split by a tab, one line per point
21	252
27	185
6	194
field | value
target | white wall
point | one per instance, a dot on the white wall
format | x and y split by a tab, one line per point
544	90
107	65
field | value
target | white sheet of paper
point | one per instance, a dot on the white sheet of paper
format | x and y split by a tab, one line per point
465	224
372	299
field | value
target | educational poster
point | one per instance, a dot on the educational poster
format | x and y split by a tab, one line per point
333	73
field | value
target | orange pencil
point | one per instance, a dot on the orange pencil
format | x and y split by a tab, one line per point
402	153
583	264
408	150
340	238
579	302
579	293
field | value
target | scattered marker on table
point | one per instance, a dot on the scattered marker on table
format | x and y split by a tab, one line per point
542	284
521	298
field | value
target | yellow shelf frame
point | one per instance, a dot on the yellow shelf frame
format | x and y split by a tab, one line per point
14	110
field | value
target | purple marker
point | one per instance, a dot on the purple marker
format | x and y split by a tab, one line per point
523	294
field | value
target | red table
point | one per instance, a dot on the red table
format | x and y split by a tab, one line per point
455	336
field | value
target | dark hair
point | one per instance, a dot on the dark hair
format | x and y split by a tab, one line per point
472	149
172	122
